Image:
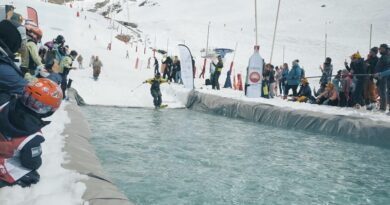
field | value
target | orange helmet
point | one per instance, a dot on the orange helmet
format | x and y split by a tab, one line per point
42	96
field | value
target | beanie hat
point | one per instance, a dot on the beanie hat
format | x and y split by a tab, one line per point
10	35
374	49
385	46
356	55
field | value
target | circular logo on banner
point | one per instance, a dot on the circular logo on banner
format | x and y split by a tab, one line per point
254	77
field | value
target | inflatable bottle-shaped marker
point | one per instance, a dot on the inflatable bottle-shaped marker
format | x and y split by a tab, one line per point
254	74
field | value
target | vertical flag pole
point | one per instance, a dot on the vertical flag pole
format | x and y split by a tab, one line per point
276	25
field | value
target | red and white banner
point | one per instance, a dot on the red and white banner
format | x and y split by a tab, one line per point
32	15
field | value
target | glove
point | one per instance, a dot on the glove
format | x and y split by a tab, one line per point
28	179
42	71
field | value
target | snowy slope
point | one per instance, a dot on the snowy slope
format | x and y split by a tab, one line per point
302	26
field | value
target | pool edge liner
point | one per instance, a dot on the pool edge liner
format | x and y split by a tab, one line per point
355	129
82	158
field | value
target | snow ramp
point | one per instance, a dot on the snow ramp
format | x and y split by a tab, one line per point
82	158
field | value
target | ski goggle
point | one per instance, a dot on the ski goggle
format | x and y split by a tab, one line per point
35	105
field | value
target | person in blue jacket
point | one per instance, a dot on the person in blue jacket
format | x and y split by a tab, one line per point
293	79
11	77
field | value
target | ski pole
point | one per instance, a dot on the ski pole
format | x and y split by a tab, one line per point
137	87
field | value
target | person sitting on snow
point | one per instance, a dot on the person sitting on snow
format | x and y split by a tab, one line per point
155	89
304	93
329	97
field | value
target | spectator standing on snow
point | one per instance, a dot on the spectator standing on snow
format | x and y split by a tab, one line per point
34	61
345	89
217	73
127	54
278	78
65	67
283	83
357	68
80	61
91	60
383	65
272	82
370	94
293	79
177	70
156	66
97	67
327	70
167	61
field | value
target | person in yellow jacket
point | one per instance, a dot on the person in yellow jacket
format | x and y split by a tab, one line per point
32	63
155	89
65	67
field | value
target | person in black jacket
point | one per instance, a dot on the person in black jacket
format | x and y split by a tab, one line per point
384	82
217	73
176	70
370	87
304	93
358	69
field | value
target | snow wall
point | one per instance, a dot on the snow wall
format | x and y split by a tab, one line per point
348	128
82	158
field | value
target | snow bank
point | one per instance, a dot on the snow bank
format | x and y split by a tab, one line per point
346	127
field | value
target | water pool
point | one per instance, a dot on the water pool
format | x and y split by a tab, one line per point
185	157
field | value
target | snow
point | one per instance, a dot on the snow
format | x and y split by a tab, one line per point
301	31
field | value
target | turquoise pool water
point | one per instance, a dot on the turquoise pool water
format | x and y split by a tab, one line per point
185	157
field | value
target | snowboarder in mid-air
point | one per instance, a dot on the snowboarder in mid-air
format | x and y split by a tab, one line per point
155	89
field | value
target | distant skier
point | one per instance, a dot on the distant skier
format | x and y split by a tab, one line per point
97	67
155	89
156	66
127	54
80	61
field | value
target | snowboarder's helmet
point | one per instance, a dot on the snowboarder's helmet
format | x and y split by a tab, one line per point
42	96
60	39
